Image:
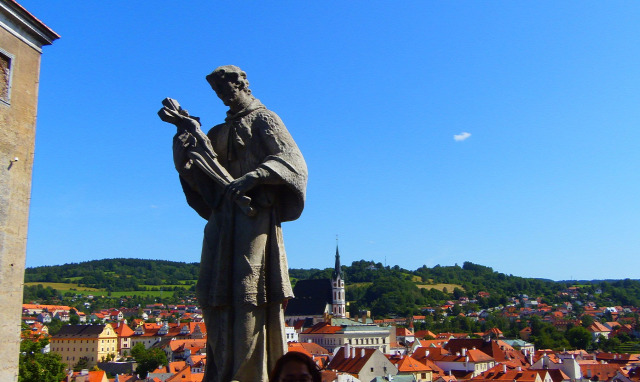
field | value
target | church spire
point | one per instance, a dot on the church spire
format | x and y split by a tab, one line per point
337	271
339	304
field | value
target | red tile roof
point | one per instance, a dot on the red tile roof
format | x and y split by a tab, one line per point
323	327
406	364
352	365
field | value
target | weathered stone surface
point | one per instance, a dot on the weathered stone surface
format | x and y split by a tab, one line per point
20	51
250	158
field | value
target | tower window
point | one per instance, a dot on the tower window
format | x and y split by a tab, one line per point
6	66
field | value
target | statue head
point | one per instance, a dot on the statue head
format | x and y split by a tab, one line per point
230	84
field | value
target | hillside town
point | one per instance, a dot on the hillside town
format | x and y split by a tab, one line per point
112	344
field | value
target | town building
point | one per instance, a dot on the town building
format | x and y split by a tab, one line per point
22	37
316	300
360	336
95	343
364	364
337	283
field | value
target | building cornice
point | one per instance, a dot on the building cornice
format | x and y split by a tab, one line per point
26	27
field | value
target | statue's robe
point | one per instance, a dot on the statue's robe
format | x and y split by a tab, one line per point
244	277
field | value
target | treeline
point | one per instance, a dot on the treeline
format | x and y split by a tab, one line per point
394	291
117	274
385	291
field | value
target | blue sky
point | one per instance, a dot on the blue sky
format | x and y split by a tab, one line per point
546	185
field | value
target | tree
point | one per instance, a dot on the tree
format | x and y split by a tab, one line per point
35	366
138	350
147	359
587	320
83	363
54	326
579	337
74	319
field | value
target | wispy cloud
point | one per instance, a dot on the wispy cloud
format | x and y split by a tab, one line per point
461	137
153	206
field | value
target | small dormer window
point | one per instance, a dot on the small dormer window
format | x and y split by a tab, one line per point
6	69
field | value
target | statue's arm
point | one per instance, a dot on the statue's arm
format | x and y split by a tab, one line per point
283	164
202	194
284	160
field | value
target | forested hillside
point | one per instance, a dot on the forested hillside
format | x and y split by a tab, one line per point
117	274
385	291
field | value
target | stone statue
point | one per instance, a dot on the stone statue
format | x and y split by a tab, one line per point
245	177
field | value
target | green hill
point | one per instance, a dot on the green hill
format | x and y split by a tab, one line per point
371	286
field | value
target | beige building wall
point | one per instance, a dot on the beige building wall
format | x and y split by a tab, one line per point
94	349
21	37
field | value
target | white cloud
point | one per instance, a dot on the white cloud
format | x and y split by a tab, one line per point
461	137
153	206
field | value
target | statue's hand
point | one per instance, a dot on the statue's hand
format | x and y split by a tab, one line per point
241	186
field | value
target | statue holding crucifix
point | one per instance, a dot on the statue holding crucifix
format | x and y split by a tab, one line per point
245	177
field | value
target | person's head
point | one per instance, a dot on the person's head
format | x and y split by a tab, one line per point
295	367
230	84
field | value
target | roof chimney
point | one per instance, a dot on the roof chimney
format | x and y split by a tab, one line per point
362	353
519	368
504	368
346	351
464	352
353	352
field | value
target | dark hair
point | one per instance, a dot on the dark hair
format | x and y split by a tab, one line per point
294	356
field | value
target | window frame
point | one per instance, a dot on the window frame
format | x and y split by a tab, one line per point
11	59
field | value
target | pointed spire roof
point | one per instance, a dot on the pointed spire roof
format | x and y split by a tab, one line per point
337	271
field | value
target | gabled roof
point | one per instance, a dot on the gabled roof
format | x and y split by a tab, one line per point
70	331
433	343
314	348
352	365
94	376
123	330
406	364
425	333
603	371
297	346
322	327
510	375
404	332
598	327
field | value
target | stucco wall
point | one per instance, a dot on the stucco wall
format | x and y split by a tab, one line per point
17	135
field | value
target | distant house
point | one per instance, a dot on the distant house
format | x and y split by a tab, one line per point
87	376
597	329
124	333
364	364
290	333
409	366
525	333
466	363
363	336
92	342
116	315
404	335
62	315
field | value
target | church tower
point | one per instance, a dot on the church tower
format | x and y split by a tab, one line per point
339	306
